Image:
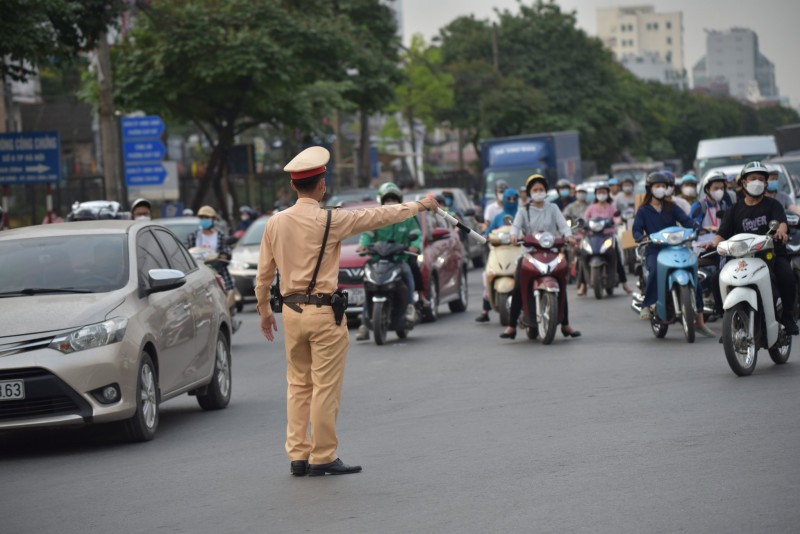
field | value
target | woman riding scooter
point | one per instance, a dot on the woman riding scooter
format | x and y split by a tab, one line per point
510	207
655	214
537	215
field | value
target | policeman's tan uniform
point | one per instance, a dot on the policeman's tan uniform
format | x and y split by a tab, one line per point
316	348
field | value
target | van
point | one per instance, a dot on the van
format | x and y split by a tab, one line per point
727	151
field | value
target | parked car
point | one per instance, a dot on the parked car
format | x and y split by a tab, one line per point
103	321
442	263
244	262
476	251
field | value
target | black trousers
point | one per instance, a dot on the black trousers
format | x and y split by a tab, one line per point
516	300
784	280
416	273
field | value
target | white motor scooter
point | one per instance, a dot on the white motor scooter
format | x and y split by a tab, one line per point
501	266
750	319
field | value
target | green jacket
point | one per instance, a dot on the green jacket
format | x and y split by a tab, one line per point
398	232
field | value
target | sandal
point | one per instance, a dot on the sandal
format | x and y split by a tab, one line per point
645	314
705	330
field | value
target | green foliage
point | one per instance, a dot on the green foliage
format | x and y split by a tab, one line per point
38	33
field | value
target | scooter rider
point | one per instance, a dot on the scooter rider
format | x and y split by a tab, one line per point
510	207
575	210
656	213
604	208
496	206
705	212
539	215
565	198
390	194
625	199
613	188
773	191
689	188
672	197
753	215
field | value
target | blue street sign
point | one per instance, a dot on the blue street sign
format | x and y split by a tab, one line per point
152	174
30	158
142	127
143	151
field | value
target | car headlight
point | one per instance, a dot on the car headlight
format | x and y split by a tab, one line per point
606	245
91	336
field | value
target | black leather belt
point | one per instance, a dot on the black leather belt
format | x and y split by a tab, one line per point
300	298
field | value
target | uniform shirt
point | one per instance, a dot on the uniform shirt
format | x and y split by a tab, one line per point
548	218
293	237
753	220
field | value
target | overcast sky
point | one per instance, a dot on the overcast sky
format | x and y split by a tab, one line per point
776	22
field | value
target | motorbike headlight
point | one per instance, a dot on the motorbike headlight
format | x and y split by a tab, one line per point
739	248
546	239
421	259
504	238
586	246
91	336
606	245
674	238
596	226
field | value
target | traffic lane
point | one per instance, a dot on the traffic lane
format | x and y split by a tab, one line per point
589	434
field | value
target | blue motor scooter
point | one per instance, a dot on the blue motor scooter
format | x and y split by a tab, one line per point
676	277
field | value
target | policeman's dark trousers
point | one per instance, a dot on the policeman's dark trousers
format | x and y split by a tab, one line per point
516	302
651	284
316	350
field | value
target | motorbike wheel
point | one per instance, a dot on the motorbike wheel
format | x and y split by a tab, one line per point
547	317
659	329
504	307
687	313
460	305
740	350
782	348
597	282
432	314
380	321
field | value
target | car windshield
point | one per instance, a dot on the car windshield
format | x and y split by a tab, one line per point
73	264
253	234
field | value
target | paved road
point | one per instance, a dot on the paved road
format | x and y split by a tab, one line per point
457	431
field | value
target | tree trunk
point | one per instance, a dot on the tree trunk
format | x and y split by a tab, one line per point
108	124
413	136
364	167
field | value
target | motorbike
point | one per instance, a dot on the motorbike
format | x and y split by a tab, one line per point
501	267
676	278
572	250
598	256
211	258
628	254
386	295
751	309
543	278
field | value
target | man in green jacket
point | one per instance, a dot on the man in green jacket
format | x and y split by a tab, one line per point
406	233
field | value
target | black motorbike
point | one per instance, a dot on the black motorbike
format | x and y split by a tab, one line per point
599	256
386	294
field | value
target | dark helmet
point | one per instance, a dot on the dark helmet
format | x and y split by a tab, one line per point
670	177
627	178
532	179
657	178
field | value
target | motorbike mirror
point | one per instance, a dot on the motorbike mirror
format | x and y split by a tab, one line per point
580	222
508	220
773	225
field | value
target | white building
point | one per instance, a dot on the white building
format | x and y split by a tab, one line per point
647	43
733	58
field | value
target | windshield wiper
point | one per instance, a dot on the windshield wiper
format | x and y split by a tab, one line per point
28	291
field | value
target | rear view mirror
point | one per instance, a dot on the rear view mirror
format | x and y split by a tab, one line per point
164	280
508	219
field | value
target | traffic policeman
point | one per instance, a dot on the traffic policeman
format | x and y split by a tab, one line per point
316	346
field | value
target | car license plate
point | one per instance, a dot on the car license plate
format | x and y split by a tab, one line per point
12	390
355	296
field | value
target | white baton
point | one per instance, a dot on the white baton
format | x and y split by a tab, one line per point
452	220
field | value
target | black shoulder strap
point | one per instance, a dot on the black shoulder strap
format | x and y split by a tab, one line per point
321	253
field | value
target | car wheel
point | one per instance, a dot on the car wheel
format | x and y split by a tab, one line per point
460	305
432	313
218	391
142	426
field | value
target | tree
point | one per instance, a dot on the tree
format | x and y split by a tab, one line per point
229	65
37	33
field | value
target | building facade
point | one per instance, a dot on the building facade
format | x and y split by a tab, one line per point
733	59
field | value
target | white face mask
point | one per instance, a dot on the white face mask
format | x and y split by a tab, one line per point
602	197
659	192
670	190
142	217
689	190
718	194
538	197
627	188
756	188
580	196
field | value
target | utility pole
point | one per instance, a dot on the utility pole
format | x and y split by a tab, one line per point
109	136
495	49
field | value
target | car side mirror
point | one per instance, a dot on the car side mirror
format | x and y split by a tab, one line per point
164	280
440	234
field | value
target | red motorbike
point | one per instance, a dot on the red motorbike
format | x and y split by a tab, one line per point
543	278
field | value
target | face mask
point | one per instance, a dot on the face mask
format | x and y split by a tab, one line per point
538	197
581	197
689	190
205	224
510	207
142	217
772	186
563	192
627	188
659	192
718	194
602	197
448	202
245	217
670	190
756	188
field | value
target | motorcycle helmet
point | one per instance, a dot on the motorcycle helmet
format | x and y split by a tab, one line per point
752	168
688	179
140	202
656	178
532	179
613	181
501	186
389	190
563	182
715	176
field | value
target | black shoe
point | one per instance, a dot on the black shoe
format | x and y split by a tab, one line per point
299	468
336	467
509	335
482	318
574	333
791	327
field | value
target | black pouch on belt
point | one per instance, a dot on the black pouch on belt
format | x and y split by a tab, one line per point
339	305
275	299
